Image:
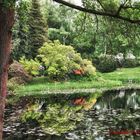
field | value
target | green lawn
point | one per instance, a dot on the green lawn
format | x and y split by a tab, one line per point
125	75
121	77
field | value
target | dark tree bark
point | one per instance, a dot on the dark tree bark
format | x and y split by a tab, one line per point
6	23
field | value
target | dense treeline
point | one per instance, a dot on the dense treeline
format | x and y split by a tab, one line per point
30	31
90	35
107	42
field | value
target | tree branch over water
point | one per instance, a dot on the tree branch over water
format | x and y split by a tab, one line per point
100	13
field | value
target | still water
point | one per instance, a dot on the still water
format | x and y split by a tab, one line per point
113	115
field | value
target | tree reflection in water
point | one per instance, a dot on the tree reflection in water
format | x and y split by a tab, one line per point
77	117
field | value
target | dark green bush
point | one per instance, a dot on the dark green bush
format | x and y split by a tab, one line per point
106	63
130	63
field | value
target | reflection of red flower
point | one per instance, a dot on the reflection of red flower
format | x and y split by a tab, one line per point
80	101
77	72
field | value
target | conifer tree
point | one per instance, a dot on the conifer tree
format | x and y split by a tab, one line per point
20	31
37	29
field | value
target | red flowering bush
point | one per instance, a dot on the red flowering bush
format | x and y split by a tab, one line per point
77	72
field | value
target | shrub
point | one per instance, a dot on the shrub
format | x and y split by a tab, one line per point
31	66
129	63
17	70
61	60
14	83
106	63
57	61
87	67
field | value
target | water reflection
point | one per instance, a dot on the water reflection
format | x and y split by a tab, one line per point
74	117
113	112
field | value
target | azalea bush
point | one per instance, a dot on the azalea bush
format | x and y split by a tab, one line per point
61	61
57	61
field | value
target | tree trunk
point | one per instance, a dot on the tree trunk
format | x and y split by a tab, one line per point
6	23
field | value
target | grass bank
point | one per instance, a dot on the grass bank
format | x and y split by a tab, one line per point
121	78
125	75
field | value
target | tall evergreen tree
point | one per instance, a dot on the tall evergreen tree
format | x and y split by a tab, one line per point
20	32
37	29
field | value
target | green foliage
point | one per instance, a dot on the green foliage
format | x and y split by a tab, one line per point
32	113
90	35
14	83
106	63
30	30
37	29
130	63
87	67
127	8
60	34
111	5
59	119
61	60
59	24
8	3
55	119
21	30
31	66
84	37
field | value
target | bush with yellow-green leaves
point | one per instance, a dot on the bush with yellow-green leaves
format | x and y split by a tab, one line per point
58	61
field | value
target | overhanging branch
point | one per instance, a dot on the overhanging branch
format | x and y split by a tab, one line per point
100	13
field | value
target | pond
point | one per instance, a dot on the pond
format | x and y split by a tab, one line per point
113	115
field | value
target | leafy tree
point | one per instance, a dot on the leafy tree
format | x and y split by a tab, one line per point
37	29
60	23
126	10
115	37
93	35
84	35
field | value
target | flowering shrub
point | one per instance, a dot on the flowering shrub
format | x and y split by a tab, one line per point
61	60
87	67
57	61
77	72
